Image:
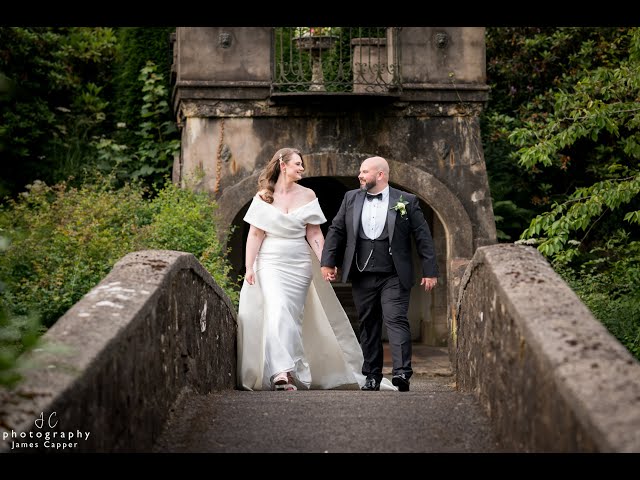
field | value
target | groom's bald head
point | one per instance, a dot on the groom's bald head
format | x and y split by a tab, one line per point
374	174
378	163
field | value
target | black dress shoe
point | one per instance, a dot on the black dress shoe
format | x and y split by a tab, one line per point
371	383
401	381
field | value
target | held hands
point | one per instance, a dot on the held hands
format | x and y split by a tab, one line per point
329	273
429	283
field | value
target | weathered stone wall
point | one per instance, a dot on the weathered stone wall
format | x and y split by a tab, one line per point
552	378
440	56
219	153
114	364
208	56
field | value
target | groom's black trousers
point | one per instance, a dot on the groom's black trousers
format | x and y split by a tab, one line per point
379	297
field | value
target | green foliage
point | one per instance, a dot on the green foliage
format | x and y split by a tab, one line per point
57	94
526	67
137	46
151	156
158	143
583	208
608	282
562	143
601	108
18	334
64	239
510	217
186	220
510	187
56	119
54	101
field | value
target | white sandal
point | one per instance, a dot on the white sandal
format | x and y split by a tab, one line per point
290	383
284	381
280	381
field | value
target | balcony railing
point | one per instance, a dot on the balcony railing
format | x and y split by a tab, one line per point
356	60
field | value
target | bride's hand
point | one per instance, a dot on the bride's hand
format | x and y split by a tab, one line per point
329	273
250	276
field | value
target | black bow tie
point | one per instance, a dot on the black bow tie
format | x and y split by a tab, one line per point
377	195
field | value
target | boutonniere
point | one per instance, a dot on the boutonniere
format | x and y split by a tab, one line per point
401	207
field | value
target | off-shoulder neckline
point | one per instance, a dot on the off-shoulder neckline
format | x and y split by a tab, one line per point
290	211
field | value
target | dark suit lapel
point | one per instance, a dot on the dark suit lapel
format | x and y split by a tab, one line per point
357	211
394	196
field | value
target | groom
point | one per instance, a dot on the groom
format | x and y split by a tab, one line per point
371	236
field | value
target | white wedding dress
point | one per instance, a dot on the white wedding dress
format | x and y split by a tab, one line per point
290	319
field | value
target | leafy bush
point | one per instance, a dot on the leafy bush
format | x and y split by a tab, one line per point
562	148
64	240
58	91
137	46
608	282
151	156
185	220
52	99
17	335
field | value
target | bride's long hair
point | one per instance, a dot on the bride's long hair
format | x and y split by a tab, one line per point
269	175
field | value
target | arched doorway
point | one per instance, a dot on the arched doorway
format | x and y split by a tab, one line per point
430	313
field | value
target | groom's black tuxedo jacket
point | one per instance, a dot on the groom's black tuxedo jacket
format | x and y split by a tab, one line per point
340	243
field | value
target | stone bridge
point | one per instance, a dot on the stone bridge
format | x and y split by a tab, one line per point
146	362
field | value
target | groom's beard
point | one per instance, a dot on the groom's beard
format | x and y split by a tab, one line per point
368	186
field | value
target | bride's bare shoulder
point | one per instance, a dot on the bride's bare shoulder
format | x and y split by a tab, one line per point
307	194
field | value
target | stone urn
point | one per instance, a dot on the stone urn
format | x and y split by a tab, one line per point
315	45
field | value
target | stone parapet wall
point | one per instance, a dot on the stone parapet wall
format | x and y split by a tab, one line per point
115	363
550	375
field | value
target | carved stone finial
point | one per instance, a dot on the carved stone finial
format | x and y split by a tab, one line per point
224	40
442	39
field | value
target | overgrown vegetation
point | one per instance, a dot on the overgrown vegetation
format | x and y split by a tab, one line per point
85	123
63	240
65	91
563	151
151	156
17	335
139	46
56	83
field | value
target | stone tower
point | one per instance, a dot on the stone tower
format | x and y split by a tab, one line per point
415	98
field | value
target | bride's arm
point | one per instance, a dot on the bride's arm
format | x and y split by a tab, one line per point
315	239
254	240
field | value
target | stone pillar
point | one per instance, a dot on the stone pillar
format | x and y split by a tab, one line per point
370	68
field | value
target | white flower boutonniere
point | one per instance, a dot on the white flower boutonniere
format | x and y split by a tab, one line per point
401	207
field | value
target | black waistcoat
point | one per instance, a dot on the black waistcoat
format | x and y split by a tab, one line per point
376	251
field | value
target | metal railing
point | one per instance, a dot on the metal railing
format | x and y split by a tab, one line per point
357	60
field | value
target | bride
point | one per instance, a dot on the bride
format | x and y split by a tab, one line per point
292	331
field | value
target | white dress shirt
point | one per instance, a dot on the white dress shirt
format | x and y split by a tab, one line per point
374	214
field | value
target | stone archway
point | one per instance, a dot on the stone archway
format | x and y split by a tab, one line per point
451	229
